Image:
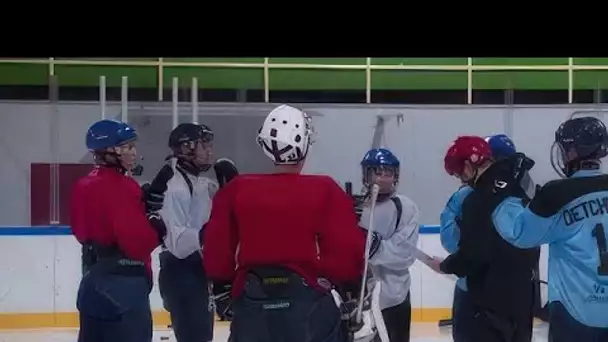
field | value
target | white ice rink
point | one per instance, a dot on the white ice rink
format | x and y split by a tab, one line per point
421	332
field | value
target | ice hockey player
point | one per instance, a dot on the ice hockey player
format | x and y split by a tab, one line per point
499	276
109	218
570	215
396	233
283	239
502	147
185	210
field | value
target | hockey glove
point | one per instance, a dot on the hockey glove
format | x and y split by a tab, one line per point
153	201
159	225
225	171
522	165
517	181
154	193
374	243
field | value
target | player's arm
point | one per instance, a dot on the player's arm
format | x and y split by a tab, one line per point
473	255
396	253
449	232
135	235
530	226
341	241
221	237
181	238
77	214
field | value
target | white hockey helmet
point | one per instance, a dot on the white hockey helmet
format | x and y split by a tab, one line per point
286	135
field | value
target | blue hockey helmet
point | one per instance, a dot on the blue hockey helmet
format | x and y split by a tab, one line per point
379	159
501	145
104	134
579	143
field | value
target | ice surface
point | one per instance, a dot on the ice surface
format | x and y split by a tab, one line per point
421	332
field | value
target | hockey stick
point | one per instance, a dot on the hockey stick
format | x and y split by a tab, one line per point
445	322
370	229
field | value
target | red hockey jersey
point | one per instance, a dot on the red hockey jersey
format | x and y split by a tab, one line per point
106	207
303	222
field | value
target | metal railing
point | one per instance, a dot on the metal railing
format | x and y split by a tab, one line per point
160	64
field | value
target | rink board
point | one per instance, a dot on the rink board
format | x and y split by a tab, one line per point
38	289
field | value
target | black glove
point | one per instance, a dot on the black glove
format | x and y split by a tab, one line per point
515	179
225	171
374	243
153	201
521	165
158	224
154	193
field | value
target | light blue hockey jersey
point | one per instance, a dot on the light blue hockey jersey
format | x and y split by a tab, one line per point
570	215
449	232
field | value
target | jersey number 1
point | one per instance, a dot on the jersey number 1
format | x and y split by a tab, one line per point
600	236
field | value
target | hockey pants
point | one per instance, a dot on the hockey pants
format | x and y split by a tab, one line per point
564	328
114	307
277	306
184	289
462	309
397	320
488	326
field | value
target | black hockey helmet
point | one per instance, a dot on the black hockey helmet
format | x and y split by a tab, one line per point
189	135
189	132
587	137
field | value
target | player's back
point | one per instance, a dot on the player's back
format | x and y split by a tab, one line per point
578	256
93	199
304	222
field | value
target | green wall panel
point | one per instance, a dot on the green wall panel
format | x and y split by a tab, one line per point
215	78
291	79
309	79
24	74
418	80
419	61
88	75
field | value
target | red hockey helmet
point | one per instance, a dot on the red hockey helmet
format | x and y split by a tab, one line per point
466	148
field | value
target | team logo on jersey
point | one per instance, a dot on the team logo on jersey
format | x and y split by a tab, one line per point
500	184
212	188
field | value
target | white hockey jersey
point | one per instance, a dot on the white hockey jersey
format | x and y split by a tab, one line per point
185	211
390	265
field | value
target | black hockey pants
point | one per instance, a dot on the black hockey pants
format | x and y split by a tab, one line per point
277	306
